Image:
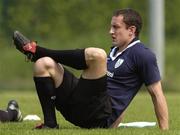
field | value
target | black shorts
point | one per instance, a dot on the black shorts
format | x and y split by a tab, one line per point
84	102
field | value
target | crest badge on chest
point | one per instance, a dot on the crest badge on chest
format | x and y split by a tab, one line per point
118	63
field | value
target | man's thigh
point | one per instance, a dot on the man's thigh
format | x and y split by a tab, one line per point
65	90
89	105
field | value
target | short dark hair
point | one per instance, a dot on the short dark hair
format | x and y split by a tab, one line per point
130	18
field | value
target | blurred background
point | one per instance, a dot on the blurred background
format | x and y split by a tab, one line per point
65	24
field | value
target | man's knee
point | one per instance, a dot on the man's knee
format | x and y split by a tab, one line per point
47	67
43	65
95	54
96	60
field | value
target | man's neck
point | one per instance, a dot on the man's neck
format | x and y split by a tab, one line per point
121	48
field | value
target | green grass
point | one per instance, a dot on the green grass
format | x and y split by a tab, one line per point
140	109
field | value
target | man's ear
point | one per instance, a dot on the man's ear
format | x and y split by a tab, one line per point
132	30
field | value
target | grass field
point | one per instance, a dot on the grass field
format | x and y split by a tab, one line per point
141	109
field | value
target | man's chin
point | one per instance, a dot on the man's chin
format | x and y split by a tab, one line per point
114	44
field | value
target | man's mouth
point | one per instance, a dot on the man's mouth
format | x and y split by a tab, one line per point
113	39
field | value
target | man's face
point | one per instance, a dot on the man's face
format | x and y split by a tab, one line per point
121	35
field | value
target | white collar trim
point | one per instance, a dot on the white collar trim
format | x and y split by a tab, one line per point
119	53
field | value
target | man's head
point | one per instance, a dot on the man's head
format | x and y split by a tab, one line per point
126	24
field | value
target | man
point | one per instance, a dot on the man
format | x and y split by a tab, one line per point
107	84
12	113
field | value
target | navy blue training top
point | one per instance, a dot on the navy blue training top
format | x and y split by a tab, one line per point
127	71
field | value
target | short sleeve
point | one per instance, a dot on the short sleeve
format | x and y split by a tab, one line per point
147	67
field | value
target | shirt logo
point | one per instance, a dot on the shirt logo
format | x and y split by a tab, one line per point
110	74
118	63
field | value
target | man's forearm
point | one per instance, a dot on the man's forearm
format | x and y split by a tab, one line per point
161	111
119	119
160	105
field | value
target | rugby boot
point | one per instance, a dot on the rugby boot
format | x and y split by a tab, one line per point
24	45
13	106
43	126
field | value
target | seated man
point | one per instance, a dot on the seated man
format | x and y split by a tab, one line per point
12	113
107	84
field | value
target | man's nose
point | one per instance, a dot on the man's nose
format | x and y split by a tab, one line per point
111	31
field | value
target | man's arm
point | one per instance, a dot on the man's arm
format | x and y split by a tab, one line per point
160	104
119	119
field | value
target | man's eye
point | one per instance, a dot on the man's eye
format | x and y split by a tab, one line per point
115	26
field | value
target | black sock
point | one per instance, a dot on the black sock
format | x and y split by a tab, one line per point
46	93
8	115
73	58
